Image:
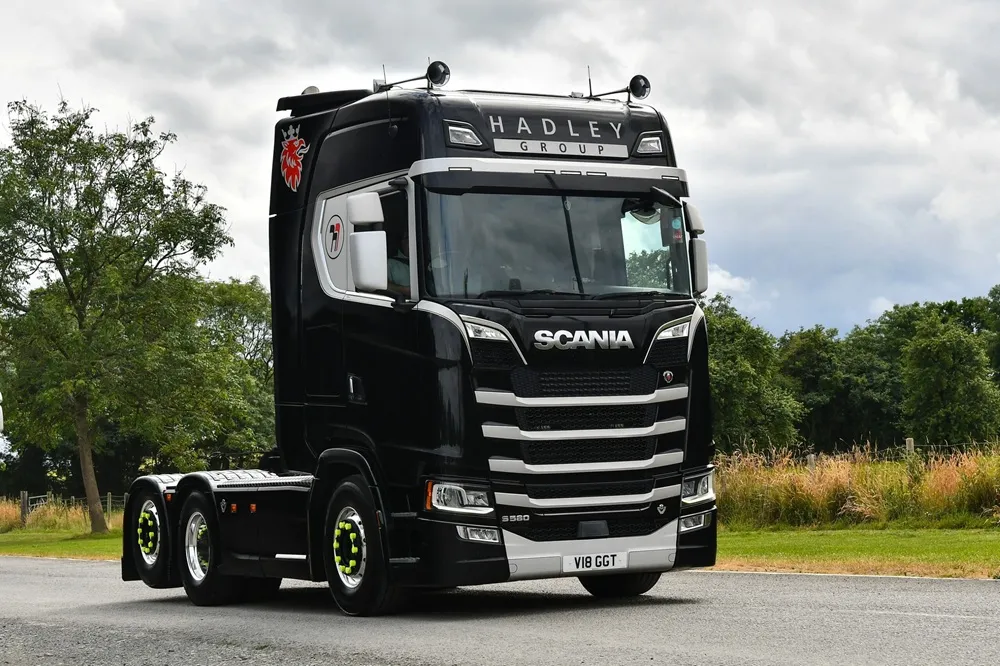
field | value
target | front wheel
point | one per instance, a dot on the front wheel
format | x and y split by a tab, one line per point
619	586
354	552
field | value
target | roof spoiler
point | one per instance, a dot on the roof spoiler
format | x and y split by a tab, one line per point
311	102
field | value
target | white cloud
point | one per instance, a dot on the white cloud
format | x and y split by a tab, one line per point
878	305
832	150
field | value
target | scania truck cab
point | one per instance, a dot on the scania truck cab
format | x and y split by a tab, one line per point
490	360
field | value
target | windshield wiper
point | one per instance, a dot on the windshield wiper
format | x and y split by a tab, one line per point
669	295
526	292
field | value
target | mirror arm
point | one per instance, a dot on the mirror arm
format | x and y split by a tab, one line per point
399	303
664	197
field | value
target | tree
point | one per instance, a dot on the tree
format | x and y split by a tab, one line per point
948	394
811	363
110	240
749	399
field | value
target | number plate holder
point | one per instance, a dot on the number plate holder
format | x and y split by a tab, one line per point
594	562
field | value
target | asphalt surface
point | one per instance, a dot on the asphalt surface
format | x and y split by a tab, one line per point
73	612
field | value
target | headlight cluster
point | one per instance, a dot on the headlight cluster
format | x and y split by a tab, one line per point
698	489
453	498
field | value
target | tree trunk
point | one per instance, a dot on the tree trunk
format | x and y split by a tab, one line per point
85	444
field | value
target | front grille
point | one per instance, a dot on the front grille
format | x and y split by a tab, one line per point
603	489
585	418
531	383
576	451
668	353
494	355
567	530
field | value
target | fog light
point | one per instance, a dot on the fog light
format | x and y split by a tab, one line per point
689	523
483	534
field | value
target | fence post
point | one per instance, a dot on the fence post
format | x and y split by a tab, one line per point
909	445
24	508
811	461
109	504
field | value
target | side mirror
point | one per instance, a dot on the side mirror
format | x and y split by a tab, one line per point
695	226
369	264
364	208
699	266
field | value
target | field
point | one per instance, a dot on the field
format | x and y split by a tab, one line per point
924	515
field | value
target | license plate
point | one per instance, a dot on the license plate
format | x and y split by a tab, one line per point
598	562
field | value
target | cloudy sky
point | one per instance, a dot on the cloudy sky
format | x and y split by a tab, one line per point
844	157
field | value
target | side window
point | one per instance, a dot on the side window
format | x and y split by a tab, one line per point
396	214
333	235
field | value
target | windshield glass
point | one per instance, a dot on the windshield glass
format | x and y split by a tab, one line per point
482	245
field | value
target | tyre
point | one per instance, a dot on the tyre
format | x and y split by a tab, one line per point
150	544
354	553
199	552
619	586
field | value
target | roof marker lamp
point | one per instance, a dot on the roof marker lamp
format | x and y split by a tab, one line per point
461	134
650	144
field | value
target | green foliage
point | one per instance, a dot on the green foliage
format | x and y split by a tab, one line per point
98	252
948	392
749	401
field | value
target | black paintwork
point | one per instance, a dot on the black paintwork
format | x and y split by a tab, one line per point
415	415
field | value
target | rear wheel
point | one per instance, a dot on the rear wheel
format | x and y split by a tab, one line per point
354	552
150	545
618	586
199	552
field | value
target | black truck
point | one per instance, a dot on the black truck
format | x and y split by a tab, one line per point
490	360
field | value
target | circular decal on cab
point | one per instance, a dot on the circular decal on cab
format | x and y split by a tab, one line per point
334	236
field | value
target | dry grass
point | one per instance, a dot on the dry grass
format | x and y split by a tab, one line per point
51	517
10	515
760	490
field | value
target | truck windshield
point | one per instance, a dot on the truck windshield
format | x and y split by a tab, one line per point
486	245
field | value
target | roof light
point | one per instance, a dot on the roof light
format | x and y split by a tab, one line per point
650	144
438	73
639	86
462	134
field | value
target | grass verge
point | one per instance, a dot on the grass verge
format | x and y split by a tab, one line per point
946	553
965	553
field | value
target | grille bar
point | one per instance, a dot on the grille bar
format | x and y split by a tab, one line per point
512	466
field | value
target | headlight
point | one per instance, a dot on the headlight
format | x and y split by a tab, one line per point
454	498
678	331
480	332
698	489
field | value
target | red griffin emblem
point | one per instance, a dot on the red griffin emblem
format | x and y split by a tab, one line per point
293	148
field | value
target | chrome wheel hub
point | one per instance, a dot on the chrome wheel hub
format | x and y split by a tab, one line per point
349	547
148	531
197	546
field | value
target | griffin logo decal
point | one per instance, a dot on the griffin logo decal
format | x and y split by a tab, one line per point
293	147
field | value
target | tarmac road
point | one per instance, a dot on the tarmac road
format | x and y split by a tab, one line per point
74	612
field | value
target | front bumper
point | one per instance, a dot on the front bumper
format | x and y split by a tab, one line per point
438	557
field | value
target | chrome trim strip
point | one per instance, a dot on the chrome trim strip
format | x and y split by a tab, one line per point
517	165
523	501
675	424
671	324
500	327
285	556
443	311
508	399
696	318
543	559
513	466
